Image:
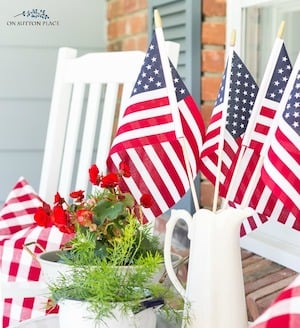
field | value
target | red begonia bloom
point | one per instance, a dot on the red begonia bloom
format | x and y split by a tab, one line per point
110	180
58	199
60	217
67	217
94	175
78	195
146	201
42	217
124	170
67	229
84	217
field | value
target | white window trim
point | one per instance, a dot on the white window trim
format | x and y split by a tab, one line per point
272	240
235	12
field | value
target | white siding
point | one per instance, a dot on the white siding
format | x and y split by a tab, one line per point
27	66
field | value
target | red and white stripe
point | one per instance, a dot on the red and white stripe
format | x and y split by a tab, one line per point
156	157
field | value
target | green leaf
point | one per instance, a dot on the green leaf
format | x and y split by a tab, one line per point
108	210
128	200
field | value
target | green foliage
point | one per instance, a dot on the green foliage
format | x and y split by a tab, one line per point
108	283
126	247
108	210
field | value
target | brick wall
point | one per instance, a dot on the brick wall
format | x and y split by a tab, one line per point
212	63
127	30
127	25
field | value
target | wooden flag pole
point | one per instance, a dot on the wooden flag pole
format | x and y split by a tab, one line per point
157	19
233	38
222	129
173	102
281	30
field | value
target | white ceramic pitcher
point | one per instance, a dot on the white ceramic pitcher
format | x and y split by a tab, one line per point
214	294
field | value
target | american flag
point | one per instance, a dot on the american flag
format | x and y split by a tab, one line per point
234	104
248	188
146	137
281	169
273	84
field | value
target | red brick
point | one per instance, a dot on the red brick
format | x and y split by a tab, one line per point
116	29
131	6
142	42
136	24
210	87
206	110
213	33
135	43
129	44
143	4
115	46
214	7
206	194
213	60
114	9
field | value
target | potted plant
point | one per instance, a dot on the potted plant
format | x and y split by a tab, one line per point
97	220
113	259
112	293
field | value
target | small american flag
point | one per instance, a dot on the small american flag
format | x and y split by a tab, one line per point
235	101
236	98
146	137
281	169
274	81
248	188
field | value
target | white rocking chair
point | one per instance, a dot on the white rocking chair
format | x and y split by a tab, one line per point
88	96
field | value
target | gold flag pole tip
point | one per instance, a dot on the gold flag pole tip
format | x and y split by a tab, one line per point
233	38
157	19
281	30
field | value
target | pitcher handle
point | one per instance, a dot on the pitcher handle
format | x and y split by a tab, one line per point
175	216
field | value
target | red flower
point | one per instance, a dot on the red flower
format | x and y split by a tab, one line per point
60	217
94	175
61	220
80	213
84	217
146	201
42	217
77	195
110	180
124	169
58	199
67	229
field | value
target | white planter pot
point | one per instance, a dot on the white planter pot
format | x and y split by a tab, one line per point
51	268
75	314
